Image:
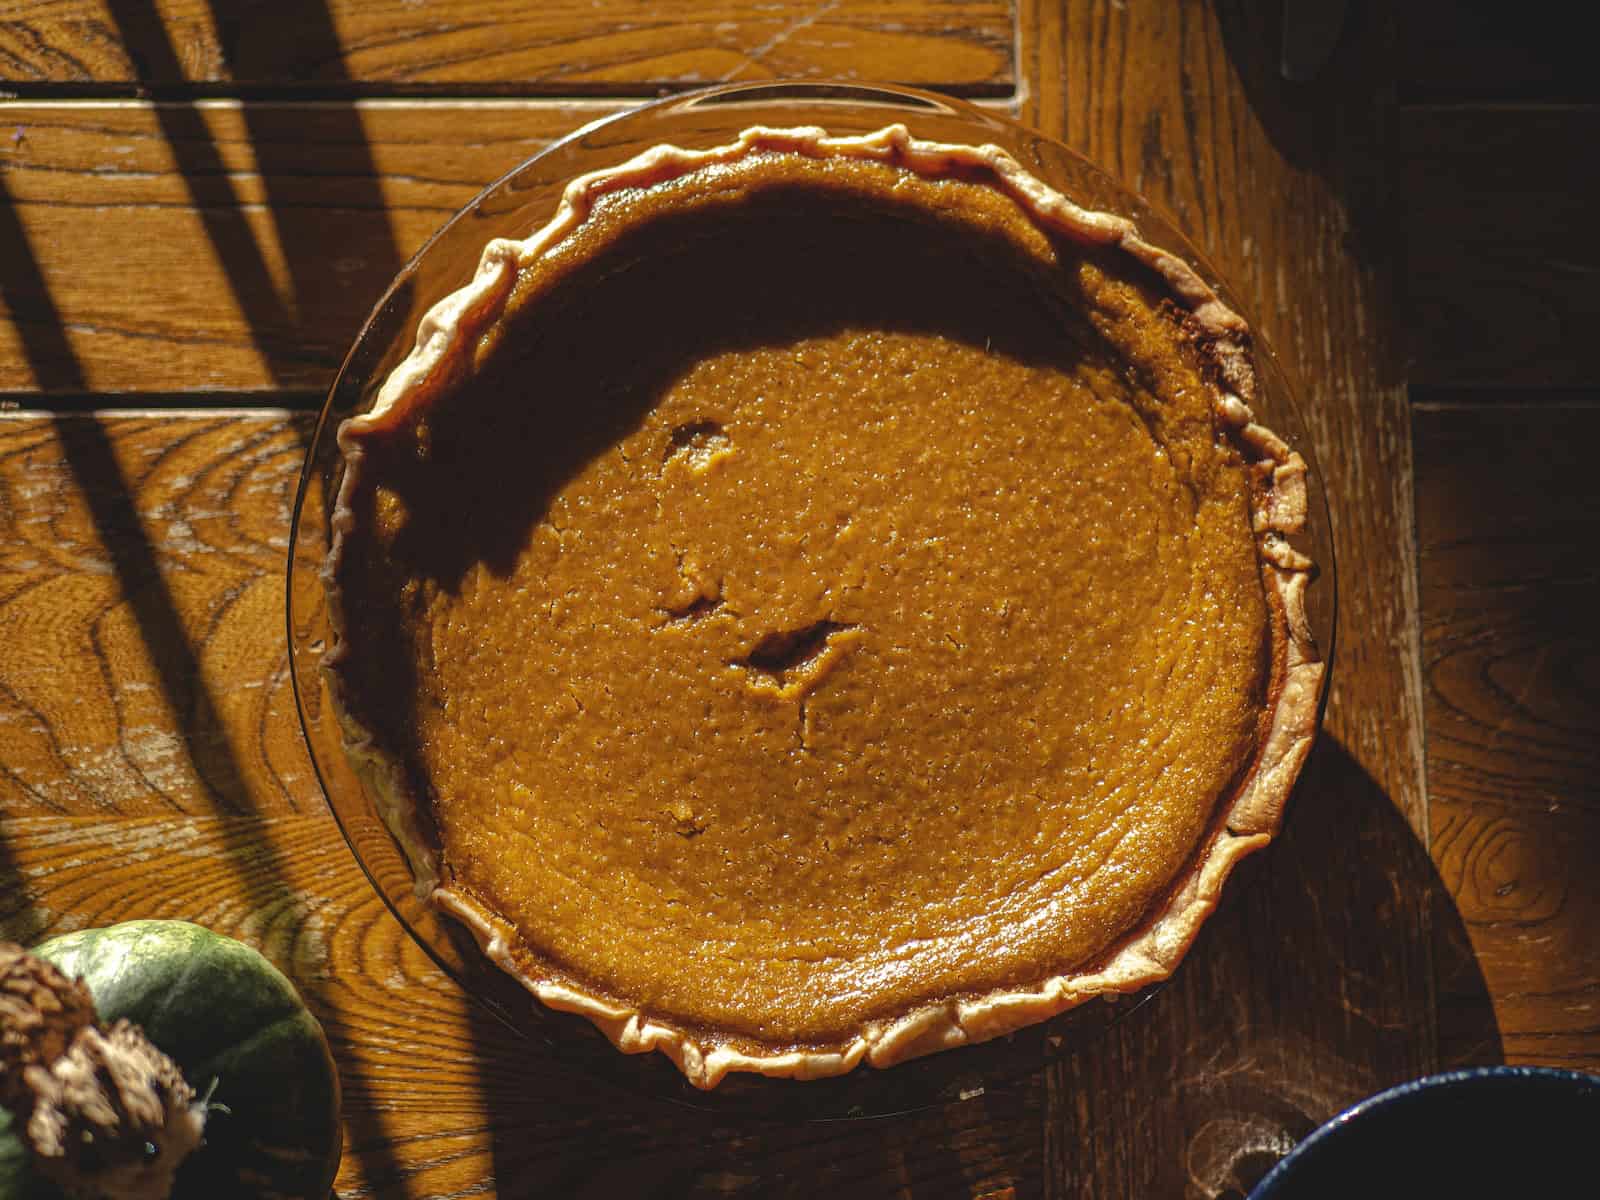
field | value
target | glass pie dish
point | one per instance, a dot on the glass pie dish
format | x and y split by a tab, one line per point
513	207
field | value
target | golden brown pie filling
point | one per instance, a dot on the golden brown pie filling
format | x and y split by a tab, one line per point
813	596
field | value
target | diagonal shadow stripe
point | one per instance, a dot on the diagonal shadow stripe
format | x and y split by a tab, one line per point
370	1139
91	458
99	477
277	153
278	138
277	145
218	204
211	193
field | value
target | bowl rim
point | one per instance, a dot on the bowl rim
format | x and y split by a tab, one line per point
1403	1095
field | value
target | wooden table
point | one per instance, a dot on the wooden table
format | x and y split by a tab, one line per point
200	201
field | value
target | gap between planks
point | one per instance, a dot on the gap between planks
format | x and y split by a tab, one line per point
271	412
1006	103
1501	398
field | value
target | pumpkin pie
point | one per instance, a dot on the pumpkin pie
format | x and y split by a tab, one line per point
823	599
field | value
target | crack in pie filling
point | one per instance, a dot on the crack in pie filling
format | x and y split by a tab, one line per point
823	599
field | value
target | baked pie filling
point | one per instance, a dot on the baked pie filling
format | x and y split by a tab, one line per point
823	599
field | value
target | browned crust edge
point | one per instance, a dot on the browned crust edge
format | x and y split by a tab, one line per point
1243	825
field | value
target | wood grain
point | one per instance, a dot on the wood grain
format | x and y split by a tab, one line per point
143	780
143	660
500	46
1508	515
438	1099
193	248
1502	264
182	251
1292	1008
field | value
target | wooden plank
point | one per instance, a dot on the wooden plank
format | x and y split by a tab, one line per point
1477	51
143	661
1280	190
1508	513
1200	135
262	236
204	247
439	1099
502	46
143	778
1501	259
1315	988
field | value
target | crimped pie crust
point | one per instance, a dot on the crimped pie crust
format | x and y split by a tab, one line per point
1244	821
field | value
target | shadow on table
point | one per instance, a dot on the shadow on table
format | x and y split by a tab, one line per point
96	472
318	208
1312	986
1333	124
555	1132
91	457
1337	967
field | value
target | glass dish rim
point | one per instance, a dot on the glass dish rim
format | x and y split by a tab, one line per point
775	93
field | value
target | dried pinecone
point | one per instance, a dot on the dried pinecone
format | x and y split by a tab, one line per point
41	1011
106	1115
113	1117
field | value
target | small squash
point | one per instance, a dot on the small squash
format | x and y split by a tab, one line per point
18	1181
233	1024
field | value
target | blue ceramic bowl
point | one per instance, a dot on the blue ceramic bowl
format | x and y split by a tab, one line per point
1488	1131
